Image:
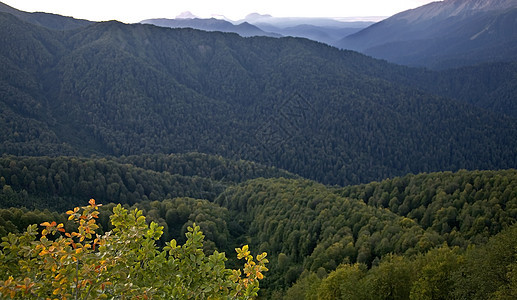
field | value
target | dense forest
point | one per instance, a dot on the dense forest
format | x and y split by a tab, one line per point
484	272
334	116
360	179
32	181
309	230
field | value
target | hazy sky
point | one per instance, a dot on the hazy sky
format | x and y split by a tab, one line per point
133	11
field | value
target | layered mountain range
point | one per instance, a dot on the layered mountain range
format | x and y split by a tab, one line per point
325	30
244	29
439	35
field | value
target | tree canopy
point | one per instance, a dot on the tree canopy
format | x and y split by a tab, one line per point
124	263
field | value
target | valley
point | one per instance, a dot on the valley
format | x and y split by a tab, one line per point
360	178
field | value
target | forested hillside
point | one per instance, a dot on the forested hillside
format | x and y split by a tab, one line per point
325	114
484	272
56	183
305	227
471	205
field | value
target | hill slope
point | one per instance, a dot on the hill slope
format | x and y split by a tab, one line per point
304	226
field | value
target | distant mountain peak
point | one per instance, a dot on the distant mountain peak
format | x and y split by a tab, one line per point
186	15
212	24
220	17
256	16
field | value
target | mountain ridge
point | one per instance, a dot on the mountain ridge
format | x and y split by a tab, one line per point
50	21
443	34
244	29
325	30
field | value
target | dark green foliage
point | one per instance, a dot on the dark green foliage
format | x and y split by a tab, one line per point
203	165
334	116
33	181
489	271
491	86
60	182
16	220
304	224
464	205
308	229
311	228
177	214
483	272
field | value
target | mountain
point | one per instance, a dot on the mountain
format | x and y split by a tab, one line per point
443	34
325	30
327	35
284	22
243	29
316	111
51	21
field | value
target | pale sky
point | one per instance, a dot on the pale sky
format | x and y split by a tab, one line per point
131	11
